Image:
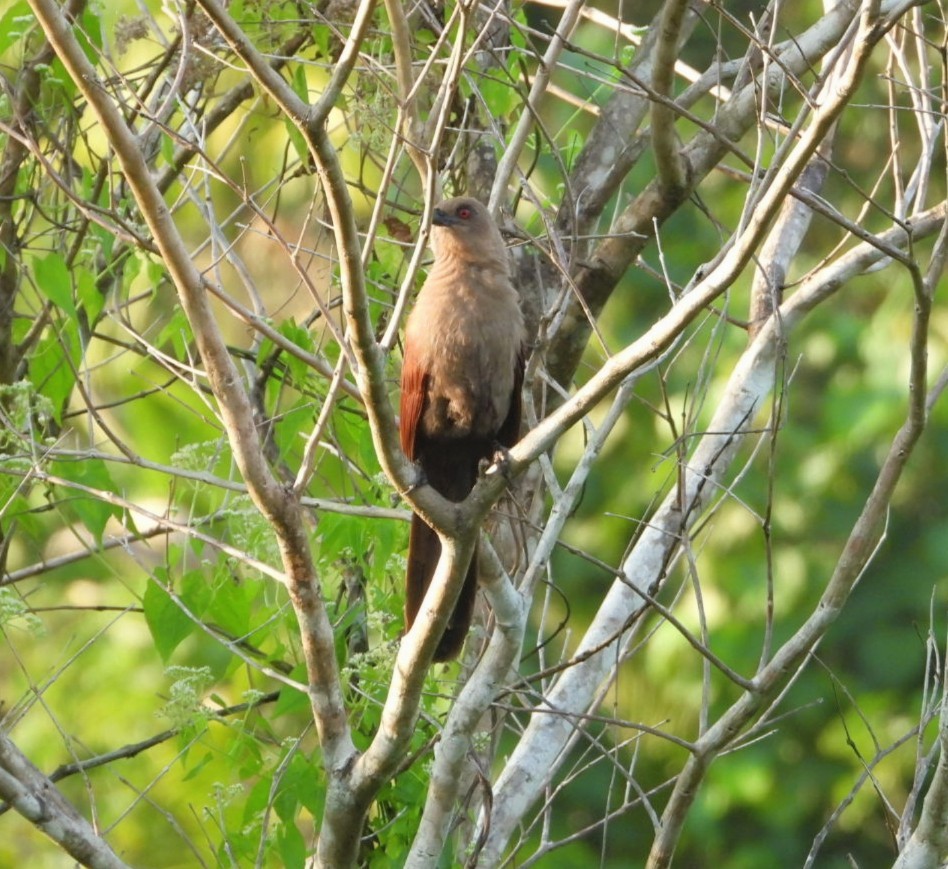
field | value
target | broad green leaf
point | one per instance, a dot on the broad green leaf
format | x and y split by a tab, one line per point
176	332
340	535
55	282
13	23
501	96
302	339
166	145
292	424
298	142
195	770
53	365
197	592
290	700
300	84
88	293
308	784
391	258
156	272
290	846
91	511
90	34
230	606
169	626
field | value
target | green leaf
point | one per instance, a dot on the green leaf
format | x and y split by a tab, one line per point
299	143
166	146
169	626
195	770
90	34
391	258
302	339
91	511
176	332
501	96
340	535
156	273
54	281
298	419
257	800
12	24
290	700
291	847
300	84
53	365
197	592
230	606
88	293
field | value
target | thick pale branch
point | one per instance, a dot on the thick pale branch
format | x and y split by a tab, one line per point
860	547
927	848
352	791
490	676
612	146
534	759
672	171
37	799
415	653
783	242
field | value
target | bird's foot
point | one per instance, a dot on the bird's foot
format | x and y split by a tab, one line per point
421	479
499	463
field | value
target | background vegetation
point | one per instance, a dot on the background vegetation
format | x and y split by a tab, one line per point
717	607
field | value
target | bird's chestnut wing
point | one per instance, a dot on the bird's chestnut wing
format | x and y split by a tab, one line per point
414	389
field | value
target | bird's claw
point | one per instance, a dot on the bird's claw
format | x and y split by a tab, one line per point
421	479
499	463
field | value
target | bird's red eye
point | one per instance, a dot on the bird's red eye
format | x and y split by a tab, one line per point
464	212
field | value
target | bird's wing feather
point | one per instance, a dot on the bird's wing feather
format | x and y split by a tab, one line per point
509	432
414	389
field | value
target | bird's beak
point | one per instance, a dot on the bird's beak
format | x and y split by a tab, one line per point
442	218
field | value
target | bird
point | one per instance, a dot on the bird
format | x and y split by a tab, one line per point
462	373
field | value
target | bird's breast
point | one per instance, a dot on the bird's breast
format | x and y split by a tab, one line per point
468	340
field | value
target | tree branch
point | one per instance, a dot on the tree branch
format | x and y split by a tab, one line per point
37	799
672	171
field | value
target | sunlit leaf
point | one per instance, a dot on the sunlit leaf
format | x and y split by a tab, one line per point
168	624
55	281
89	474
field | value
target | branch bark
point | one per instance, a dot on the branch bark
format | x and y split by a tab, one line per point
37	799
927	848
672	170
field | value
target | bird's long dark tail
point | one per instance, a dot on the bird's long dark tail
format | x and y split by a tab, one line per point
424	550
451	467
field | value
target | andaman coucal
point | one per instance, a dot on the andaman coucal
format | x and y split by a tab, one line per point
461	379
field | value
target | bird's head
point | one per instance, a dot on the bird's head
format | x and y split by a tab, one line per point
462	228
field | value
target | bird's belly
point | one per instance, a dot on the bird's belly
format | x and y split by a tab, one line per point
458	408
